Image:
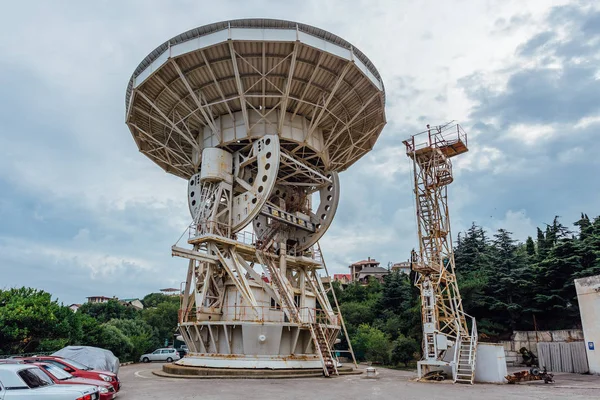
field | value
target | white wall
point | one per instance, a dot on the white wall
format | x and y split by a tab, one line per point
588	295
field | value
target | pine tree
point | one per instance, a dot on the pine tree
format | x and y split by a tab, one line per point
472	263
555	296
542	245
589	246
506	288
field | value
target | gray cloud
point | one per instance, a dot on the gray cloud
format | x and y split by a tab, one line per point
534	44
540	95
84	213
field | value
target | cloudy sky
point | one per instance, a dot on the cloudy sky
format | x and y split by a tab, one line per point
83	213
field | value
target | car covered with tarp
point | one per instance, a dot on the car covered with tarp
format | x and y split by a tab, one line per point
94	357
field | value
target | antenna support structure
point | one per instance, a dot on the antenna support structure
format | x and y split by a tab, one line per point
259	117
449	344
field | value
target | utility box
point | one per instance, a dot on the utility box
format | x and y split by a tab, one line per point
490	364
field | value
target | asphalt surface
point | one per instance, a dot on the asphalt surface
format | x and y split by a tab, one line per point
140	384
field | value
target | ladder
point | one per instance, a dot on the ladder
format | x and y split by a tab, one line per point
337	307
279	286
268	237
323	349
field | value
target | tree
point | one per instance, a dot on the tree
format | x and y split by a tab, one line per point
371	344
164	318
404	350
111	338
556	295
29	317
143	337
530	247
154	299
472	258
542	246
507	286
589	246
112	309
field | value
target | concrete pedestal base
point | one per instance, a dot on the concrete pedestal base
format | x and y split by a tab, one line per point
180	371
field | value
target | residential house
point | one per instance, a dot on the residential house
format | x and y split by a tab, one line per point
99	299
372	272
135	303
403	267
358	266
74	307
343	279
171	291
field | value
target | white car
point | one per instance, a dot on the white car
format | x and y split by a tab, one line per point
168	355
24	382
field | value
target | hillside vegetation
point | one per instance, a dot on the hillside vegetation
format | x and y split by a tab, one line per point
504	284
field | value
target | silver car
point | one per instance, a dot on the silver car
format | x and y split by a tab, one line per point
168	355
23	381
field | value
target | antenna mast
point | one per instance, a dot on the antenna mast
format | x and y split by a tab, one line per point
447	341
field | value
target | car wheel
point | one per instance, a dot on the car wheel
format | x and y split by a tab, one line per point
169	359
146	359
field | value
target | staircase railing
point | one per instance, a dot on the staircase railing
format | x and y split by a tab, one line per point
474	337
456	352
280	286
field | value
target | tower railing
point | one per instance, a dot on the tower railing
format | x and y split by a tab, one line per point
437	136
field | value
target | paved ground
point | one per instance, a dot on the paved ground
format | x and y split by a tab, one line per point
140	384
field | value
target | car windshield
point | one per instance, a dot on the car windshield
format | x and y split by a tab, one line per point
76	364
35	378
56	372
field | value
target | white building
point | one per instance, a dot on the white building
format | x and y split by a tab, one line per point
588	295
99	299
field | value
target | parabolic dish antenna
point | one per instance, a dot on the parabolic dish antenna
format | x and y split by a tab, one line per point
259	116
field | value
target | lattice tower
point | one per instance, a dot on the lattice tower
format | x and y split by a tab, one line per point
447	338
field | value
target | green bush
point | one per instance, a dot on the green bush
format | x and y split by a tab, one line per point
371	344
404	350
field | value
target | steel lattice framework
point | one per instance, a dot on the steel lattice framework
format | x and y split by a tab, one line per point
181	90
259	116
447	340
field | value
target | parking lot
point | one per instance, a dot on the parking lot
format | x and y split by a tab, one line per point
139	384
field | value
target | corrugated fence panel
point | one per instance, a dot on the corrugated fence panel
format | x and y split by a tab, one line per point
566	359
580	361
563	357
555	357
543	355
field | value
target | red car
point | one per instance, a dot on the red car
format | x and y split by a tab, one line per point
62	377
77	369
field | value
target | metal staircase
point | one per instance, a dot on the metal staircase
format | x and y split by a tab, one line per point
465	367
444	320
323	350
268	238
280	286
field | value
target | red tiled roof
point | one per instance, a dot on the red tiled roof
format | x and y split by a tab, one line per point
341	276
364	262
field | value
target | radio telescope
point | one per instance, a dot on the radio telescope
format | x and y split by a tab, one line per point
259	116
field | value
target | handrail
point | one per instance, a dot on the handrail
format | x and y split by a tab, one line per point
456	350
436	136
474	338
308	315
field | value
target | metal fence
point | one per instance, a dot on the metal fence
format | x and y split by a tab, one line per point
563	357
